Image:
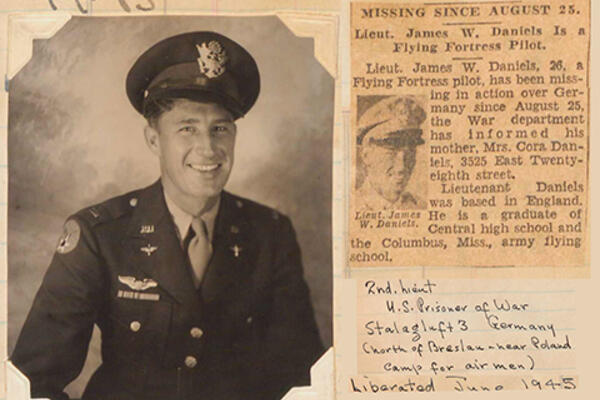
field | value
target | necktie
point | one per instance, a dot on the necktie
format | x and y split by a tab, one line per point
199	250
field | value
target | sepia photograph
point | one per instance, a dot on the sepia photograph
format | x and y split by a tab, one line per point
388	136
169	209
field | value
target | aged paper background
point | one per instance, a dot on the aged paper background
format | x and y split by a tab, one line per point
307	40
346	281
383	319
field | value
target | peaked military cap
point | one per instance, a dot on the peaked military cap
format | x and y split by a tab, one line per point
392	122
202	66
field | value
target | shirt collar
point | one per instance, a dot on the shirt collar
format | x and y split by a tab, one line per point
183	220
374	201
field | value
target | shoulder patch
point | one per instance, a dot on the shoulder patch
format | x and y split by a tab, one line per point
70	237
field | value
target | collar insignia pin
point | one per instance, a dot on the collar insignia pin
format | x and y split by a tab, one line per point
236	251
145	229
149	249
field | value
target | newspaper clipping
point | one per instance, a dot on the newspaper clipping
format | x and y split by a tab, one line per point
470	134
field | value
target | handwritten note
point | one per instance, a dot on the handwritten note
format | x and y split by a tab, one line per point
463	335
84	7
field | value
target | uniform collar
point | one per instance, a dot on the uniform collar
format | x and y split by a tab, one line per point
153	247
183	220
368	197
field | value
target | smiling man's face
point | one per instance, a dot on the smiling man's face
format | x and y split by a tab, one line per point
194	142
389	169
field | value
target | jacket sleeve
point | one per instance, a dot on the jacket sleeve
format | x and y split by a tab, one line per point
53	343
293	341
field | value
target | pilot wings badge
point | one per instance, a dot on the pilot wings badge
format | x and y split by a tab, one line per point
148	249
137	284
212	59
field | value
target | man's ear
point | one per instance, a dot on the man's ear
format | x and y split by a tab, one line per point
152	140
364	155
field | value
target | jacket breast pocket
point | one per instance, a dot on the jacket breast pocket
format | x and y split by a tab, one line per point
247	322
138	330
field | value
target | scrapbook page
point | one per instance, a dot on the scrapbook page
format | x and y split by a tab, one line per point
298	199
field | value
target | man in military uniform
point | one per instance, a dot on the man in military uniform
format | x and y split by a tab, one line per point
388	135
198	293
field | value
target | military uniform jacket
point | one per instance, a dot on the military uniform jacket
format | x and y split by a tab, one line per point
367	199
247	333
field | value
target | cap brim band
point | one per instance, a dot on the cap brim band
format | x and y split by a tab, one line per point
195	93
402	138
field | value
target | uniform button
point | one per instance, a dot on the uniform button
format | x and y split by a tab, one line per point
196	332
133	202
249	320
135	326
190	361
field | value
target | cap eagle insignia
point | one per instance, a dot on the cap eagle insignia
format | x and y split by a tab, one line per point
212	59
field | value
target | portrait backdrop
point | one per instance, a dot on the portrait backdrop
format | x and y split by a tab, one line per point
75	140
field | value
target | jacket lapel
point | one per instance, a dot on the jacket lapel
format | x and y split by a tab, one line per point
233	250
154	246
